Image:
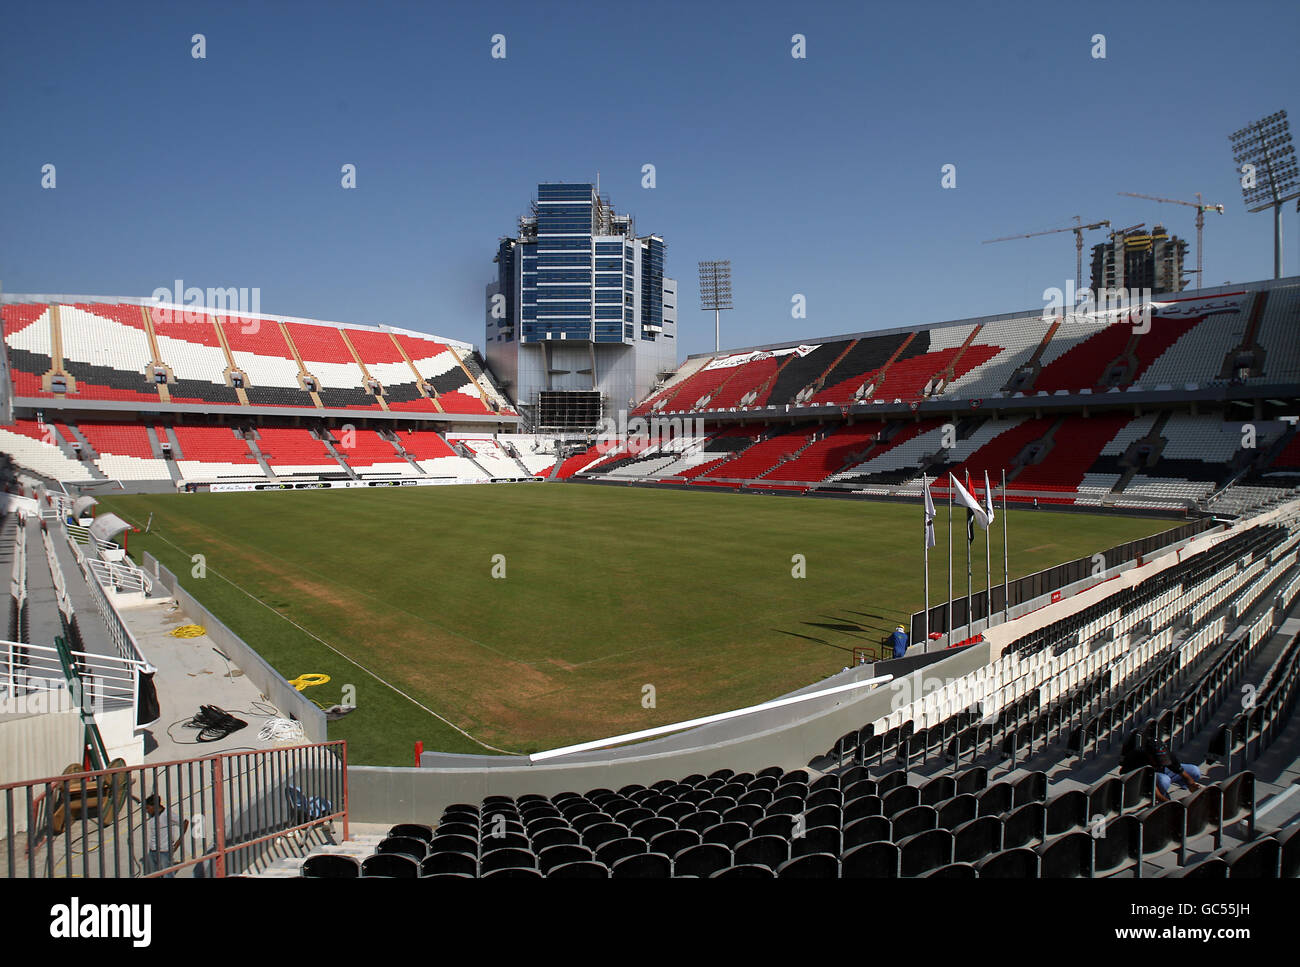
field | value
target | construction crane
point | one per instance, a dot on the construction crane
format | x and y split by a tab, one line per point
1200	222
1078	230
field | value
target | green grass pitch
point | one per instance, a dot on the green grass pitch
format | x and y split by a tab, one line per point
605	591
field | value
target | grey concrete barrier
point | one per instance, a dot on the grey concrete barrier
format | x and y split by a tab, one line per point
283	696
790	737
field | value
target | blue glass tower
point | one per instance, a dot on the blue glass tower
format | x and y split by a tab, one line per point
580	304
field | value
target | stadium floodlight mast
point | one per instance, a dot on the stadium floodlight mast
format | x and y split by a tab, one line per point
715	294
1265	159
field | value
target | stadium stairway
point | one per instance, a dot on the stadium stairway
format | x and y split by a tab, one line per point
290	853
64	435
169	459
333	452
261	459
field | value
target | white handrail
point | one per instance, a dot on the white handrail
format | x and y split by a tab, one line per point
706	720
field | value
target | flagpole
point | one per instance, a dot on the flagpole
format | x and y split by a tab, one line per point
925	544
970	527
950	564
988	561
1006	579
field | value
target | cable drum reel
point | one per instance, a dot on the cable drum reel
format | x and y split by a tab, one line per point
308	680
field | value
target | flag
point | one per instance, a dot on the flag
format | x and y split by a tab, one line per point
977	513
929	514
988	497
970	520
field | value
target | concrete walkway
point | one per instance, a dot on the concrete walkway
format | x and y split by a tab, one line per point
192	673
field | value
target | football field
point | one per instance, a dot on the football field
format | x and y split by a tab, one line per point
528	616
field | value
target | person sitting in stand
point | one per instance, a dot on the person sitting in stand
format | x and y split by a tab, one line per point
1170	771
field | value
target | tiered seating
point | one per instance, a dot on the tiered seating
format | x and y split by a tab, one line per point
124	451
1076	446
827	455
899	461
435	457
861	361
259	350
759	458
424	444
475	366
489	455
27	342
578	462
107	350
1071	334
926	356
385	362
124	439
26	442
655	462
1105	473
370	454
745	382
999	453
696	392
1012	343
440	367
1279	335
295	452
1085	364
809	363
1194	358
213	453
698	458
325	355
189	344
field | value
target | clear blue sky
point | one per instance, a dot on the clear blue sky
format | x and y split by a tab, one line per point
818	176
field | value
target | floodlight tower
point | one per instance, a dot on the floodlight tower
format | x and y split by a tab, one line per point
715	294
1266	163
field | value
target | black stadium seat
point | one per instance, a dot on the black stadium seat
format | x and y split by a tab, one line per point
323	866
1019	863
879	860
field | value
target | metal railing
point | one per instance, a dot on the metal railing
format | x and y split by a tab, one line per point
214	816
56	575
18	579
33	680
120	576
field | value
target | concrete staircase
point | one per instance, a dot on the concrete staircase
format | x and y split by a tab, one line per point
156	446
285	859
261	460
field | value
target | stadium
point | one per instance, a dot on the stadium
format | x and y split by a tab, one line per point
346	600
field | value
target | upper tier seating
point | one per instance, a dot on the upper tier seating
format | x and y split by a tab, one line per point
189	343
260	351
106	351
384	362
